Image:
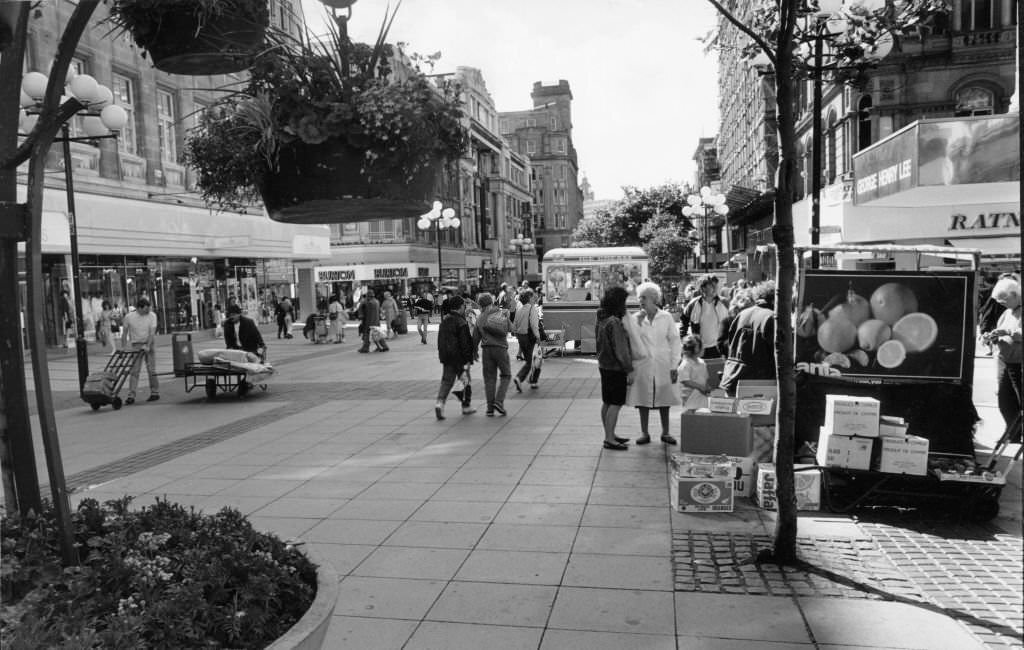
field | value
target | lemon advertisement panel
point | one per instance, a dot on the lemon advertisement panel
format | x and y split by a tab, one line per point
904	326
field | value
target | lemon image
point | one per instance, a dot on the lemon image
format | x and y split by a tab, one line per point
873	333
891	301
891	354
916	331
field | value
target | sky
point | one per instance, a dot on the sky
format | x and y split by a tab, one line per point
643	89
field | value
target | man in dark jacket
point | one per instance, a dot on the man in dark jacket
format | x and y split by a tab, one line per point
241	333
752	341
456	351
371	320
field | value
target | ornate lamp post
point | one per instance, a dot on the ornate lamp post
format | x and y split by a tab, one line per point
437	220
523	244
101	117
702	207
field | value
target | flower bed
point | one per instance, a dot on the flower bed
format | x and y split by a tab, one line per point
159	577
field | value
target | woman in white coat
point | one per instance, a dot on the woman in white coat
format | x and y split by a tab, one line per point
654	337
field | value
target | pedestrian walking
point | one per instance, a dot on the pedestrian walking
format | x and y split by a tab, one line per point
371	323
218	322
389	312
656	349
614	363
526	327
336	319
104	322
139	333
423	307
456	352
491	334
285	314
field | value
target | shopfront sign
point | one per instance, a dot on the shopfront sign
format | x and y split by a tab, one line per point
363	273
311	246
990	221
939	162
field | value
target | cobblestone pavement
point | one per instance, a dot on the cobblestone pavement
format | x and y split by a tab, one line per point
831	566
974	573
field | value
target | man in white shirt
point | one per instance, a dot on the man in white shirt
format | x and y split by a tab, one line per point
139	333
704	316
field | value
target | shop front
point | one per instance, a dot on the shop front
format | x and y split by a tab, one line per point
349	281
185	260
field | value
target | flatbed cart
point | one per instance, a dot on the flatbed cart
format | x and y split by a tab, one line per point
218	377
973	491
102	388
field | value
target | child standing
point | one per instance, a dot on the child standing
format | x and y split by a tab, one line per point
693	374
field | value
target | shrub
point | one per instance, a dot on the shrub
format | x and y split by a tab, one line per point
160	577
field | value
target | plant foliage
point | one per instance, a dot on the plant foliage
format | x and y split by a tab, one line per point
367	98
162	576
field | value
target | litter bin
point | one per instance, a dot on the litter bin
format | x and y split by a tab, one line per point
181	351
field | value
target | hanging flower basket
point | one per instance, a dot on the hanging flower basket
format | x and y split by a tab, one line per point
325	131
322	183
195	37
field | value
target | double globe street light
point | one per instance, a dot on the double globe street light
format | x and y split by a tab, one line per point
102	118
702	207
438	219
522	244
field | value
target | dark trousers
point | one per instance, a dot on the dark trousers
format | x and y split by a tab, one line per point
526	347
448	376
1008	390
495	364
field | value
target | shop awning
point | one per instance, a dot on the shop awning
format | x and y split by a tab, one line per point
990	246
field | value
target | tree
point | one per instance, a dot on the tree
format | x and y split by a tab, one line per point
779	29
651	218
23	222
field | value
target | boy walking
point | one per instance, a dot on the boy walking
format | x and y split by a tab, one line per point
456	351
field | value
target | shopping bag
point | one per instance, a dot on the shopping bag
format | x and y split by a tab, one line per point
535	365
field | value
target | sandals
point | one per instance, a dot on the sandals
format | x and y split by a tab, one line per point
615	446
643	440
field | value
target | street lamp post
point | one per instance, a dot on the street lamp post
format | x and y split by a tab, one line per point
522	244
702	206
101	118
437	220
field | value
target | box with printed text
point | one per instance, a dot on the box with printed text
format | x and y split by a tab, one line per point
846	415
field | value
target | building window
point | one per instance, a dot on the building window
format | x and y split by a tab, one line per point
974	100
554	123
531	121
977	14
833	157
864	122
76	125
560	145
124	96
166	131
531	146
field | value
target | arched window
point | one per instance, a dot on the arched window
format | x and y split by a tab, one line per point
864	136
974	100
830	150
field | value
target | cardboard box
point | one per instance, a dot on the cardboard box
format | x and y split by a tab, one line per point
807	484
764	388
761	410
889	426
715	433
836	450
741	469
721	404
906	455
852	416
701	494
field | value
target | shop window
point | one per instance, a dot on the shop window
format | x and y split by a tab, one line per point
974	100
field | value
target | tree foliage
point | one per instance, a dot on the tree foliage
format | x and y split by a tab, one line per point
651	218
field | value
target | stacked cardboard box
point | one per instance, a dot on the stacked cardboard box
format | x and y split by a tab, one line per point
899	453
851	425
807	481
702	483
